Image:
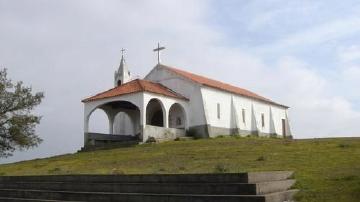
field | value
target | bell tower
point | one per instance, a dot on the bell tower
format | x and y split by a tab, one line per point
122	75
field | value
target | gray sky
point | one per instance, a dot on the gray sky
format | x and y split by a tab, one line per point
304	54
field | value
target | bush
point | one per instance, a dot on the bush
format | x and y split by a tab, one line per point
344	145
54	170
261	158
116	171
151	139
237	136
220	168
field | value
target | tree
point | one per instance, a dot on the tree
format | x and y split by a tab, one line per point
17	124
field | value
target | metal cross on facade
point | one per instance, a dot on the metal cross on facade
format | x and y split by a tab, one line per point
158	49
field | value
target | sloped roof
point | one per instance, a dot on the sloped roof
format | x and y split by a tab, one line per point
135	86
220	85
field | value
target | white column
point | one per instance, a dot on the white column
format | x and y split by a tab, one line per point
111	125
86	123
166	117
142	118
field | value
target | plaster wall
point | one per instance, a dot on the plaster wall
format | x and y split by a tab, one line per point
161	133
231	120
185	87
166	103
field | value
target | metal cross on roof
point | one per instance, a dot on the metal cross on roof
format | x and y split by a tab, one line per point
122	52
158	49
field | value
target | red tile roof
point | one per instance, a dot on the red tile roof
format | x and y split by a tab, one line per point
135	86
220	85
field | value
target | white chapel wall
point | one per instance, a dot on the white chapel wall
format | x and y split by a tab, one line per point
184	87
231	107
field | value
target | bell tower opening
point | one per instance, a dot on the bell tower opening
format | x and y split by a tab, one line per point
122	75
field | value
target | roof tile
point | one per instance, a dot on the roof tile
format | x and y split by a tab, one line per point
135	86
220	85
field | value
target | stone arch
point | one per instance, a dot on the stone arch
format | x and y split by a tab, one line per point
177	116
112	109
123	124
155	113
98	121
127	122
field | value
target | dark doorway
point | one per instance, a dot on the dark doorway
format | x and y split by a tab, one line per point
157	119
154	113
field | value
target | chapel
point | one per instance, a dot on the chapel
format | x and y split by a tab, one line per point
170	103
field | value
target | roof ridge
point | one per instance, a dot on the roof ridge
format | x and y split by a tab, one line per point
140	84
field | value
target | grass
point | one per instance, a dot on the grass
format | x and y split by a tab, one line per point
325	169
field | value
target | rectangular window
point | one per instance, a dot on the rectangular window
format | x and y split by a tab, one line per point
218	110
262	120
243	115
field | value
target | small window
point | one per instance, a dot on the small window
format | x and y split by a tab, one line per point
262	120
178	121
243	115
218	110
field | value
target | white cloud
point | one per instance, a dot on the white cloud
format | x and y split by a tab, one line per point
320	33
349	54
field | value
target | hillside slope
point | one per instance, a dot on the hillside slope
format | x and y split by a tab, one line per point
326	169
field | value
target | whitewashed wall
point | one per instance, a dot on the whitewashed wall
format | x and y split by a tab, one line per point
166	103
184	87
231	106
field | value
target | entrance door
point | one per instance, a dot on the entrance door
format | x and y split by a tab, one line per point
283	127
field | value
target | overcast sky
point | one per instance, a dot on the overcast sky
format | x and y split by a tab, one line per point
304	54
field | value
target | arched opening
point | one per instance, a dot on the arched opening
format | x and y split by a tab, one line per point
120	117
99	122
155	113
177	118
123	125
126	117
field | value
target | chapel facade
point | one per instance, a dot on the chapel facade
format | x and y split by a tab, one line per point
169	103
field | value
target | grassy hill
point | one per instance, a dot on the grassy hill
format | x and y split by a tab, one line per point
326	169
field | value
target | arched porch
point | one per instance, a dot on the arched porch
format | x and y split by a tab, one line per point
120	113
138	117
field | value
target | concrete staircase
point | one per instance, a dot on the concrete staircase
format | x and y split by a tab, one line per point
240	187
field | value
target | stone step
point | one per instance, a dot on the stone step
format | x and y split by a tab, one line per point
6	199
159	178
137	197
159	188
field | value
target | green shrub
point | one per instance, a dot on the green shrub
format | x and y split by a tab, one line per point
261	158
220	168
54	170
117	171
151	139
344	145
